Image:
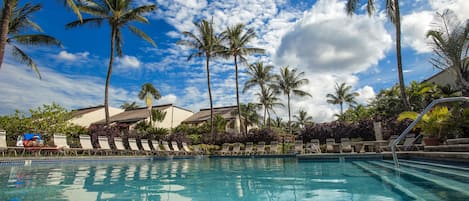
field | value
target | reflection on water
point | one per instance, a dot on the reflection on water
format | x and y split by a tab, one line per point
180	180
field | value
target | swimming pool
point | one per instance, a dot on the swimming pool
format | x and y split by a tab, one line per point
234	179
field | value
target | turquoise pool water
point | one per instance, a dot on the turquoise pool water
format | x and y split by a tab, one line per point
234	179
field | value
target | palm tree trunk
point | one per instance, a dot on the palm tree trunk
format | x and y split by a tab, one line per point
265	115
341	109
289	114
399	56
108	77
237	93
209	94
4	29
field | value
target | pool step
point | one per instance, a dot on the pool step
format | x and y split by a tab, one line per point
453	167
462	176
438	180
388	180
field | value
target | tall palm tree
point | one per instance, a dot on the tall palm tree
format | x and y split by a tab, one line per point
129	106
450	41
302	119
19	21
393	12
259	75
205	43
268	98
119	14
289	83
238	40
342	95
8	6
147	93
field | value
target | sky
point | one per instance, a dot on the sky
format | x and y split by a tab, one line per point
315	37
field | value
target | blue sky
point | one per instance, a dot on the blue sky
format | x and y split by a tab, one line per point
316	37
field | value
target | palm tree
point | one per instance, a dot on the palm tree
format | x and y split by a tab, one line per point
74	6
393	12
119	14
157	115
450	41
147	93
342	95
302	119
205	43
259	75
268	98
8	6
249	115
129	106
237	47
289	83
19	21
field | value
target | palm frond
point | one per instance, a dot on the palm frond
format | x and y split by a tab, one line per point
89	21
35	39
142	34
25	59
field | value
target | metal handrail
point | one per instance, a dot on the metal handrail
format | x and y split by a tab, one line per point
412	125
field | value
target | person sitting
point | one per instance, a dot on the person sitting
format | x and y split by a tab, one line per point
31	143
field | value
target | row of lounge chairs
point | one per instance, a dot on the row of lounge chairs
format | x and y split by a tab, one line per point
61	147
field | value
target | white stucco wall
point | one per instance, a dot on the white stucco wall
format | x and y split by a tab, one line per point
87	119
174	117
444	78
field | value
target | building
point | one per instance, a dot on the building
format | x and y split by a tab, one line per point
87	116
229	113
174	116
443	78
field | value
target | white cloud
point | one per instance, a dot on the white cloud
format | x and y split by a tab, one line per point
414	29
21	89
366	94
128	62
327	40
167	99
67	56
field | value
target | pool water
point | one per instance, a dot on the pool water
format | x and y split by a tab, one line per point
234	179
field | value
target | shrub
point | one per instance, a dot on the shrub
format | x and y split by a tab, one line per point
337	130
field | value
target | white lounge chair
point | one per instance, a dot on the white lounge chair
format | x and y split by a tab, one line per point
86	146
104	144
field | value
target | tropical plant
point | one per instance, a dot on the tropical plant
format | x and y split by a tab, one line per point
157	115
393	13
357	113
342	95
129	106
18	21
259	75
289	83
72	4
220	123
148	93
268	98
278	122
249	115
432	123
238	40
450	43
204	43
119	14
303	119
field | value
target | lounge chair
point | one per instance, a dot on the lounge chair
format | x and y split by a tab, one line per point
388	147
331	146
299	147
156	147
345	145
61	142
248	148
236	149
86	146
104	144
133	146
146	147
260	148
176	149
410	144
3	145
186	148
120	145
225	149
315	146
273	147
166	147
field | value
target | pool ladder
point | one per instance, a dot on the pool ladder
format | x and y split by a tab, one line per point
412	125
